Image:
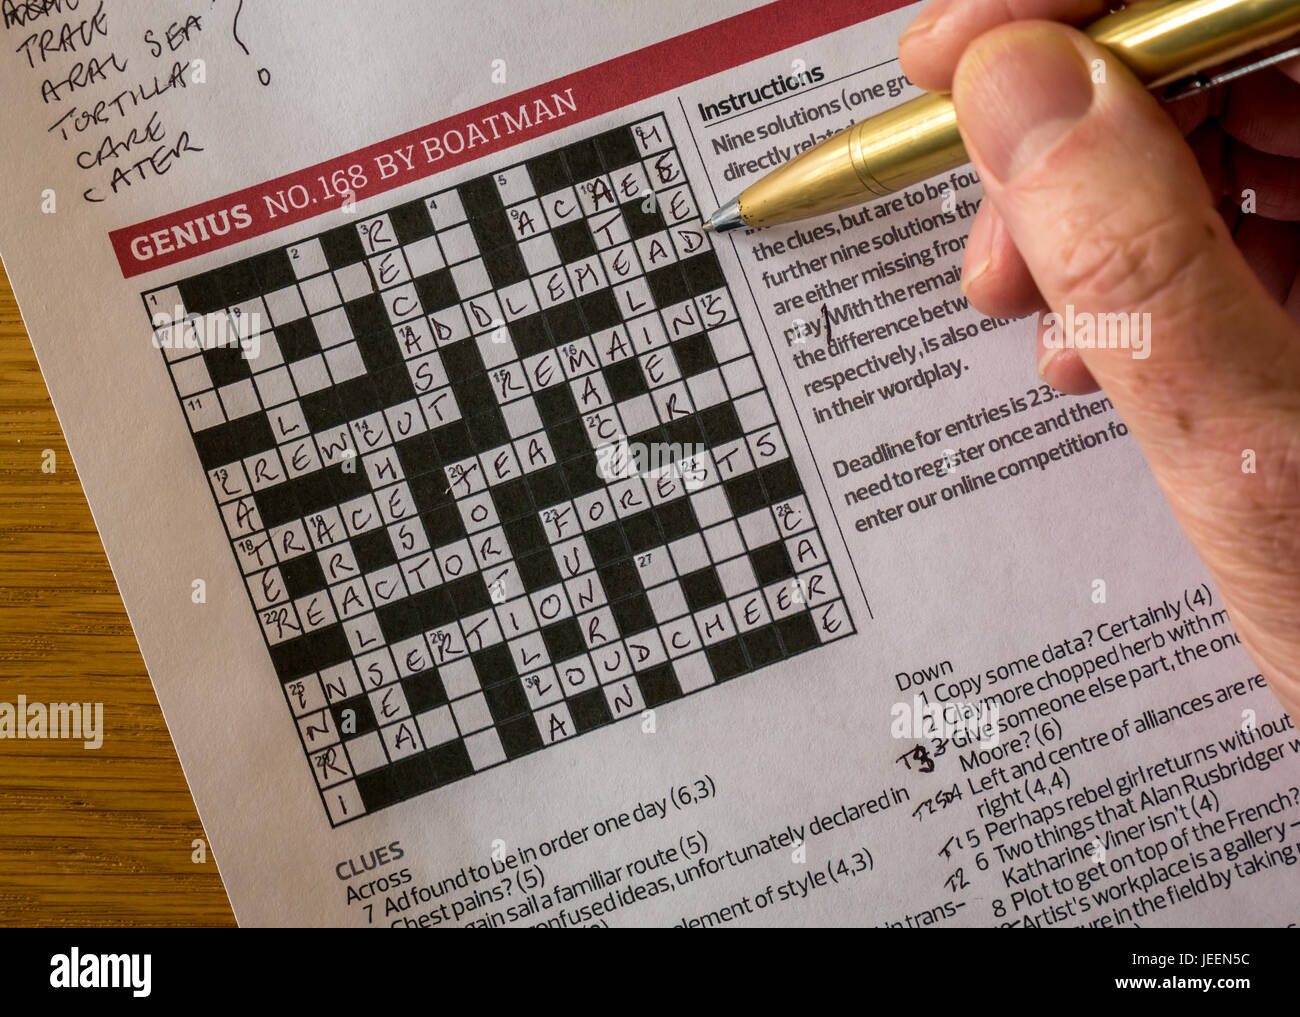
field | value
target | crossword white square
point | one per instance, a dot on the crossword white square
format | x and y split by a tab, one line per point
319	293
332	327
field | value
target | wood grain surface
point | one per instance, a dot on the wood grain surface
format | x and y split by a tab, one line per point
102	837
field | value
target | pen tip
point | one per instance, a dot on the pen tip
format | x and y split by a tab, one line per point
708	225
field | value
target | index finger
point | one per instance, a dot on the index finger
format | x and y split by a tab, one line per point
935	40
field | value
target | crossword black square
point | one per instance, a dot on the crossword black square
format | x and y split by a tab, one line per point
399	621
356	712
506	700
373	550
488	430
745	494
694	355
702	589
642	221
496	581
470	594
642	531
367	316
589	710
525	534
600	311
297	339
357	397
569	439
313	492
394	384
573	241
721	424
583	160
302	575
607	544
548	173
239	283
658	685
342	247
676	519
274	270
411	222
529	335
492	232
781	481
667	285
445	521
322	410
625	380
633	615
203	294
505	266
435	606
563	639
437	290
453	441
582	476
771	563
537	571
797	633
565	322
379	350
449	762
547	486
386	785
424	691
277	506
514	501
762	646
226	365
247	436
703	273
617	149
418	455
293	658
619	579
480	197
727	659
330	646
493	664
685	431
519	737
462	362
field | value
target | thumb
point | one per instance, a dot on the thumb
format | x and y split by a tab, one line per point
1106	203
1108	206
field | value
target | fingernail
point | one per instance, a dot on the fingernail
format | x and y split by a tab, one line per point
927	19
1018	92
1045	361
970	276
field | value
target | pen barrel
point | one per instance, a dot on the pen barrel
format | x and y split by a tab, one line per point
1158	41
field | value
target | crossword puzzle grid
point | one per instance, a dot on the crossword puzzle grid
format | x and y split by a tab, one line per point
417	431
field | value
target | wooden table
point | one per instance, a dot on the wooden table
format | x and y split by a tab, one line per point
103	837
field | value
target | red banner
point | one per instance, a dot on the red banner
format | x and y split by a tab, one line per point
652	70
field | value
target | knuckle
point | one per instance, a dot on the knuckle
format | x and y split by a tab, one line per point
1139	266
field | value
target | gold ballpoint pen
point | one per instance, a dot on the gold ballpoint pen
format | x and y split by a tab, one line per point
1164	43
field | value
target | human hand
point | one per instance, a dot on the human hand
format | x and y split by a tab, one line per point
1095	200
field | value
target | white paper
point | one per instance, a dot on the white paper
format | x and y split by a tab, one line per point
783	796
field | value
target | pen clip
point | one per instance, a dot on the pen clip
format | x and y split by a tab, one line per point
1203	81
